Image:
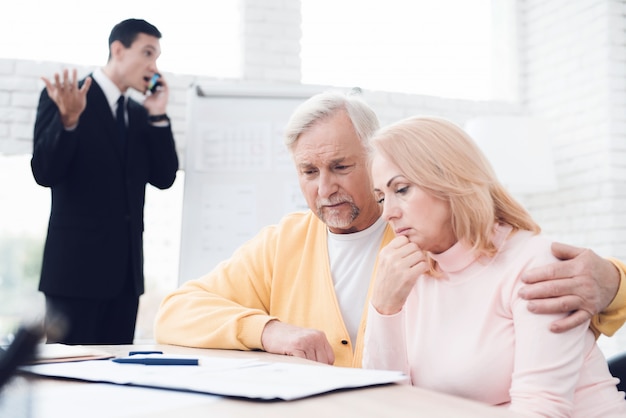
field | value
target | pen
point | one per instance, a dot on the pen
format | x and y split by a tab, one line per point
134	353
156	361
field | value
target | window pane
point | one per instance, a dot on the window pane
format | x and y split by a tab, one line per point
25	209
200	38
441	48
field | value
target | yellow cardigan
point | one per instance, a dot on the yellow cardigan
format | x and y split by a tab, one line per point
284	273
614	316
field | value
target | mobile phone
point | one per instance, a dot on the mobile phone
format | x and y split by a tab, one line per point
154	83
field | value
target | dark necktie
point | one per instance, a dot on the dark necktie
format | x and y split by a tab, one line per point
121	121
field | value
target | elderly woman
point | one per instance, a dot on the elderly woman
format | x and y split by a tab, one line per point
445	307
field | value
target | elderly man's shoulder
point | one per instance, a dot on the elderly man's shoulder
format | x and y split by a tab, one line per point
292	229
298	218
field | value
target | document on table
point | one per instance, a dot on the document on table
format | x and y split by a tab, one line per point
246	378
53	353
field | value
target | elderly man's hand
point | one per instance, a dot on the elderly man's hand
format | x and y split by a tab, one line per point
582	284
281	338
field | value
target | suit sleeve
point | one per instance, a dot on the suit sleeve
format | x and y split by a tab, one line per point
53	146
163	157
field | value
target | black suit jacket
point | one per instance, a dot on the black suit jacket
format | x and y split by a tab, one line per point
98	193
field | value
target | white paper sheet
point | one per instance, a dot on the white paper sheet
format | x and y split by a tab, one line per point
52	353
228	377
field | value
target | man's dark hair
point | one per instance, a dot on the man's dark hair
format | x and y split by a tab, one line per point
127	31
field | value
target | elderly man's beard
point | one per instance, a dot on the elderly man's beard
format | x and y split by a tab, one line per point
337	217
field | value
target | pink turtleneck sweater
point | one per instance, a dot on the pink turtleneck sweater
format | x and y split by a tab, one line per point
469	334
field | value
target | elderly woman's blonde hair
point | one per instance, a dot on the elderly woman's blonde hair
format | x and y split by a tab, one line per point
441	158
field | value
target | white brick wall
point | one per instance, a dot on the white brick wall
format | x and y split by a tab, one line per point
573	78
19	96
574	74
271	40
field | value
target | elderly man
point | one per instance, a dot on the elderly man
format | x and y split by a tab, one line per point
301	287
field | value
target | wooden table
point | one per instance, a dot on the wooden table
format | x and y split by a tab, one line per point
38	397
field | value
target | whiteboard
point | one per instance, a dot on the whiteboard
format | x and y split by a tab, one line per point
239	175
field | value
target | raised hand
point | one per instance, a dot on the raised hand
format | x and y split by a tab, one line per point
70	99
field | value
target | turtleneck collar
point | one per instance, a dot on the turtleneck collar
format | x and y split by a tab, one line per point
461	256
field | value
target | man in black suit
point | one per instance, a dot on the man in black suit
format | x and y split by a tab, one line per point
97	170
